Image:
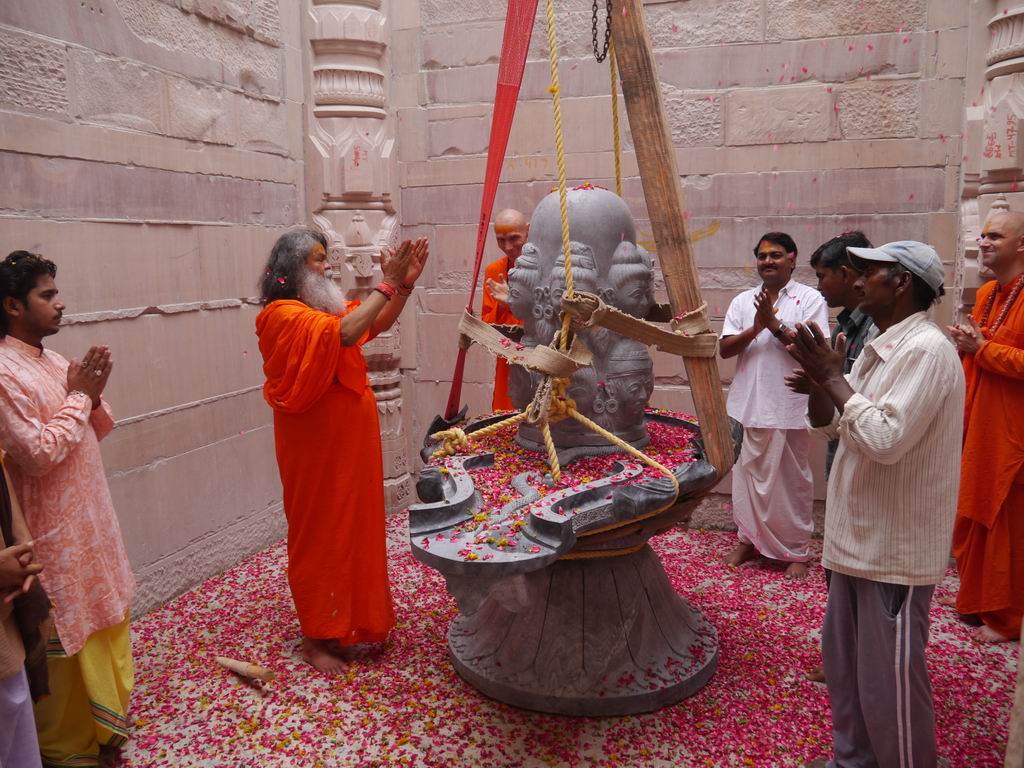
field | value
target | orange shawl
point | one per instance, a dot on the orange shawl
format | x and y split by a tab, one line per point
303	355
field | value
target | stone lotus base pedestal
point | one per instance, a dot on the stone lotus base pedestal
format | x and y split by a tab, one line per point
603	636
563	605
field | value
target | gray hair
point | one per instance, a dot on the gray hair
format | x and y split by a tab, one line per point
282	276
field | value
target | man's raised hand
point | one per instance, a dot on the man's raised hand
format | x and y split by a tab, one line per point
417	261
764	315
498	289
798	382
812	350
967	337
395	264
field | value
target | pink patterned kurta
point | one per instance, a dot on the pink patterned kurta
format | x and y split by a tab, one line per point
51	440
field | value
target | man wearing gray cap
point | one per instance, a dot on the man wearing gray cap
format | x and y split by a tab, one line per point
891	502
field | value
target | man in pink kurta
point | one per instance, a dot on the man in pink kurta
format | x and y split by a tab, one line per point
51	421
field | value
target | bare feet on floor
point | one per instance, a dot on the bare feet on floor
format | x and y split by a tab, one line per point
317	653
740	554
816	675
356	652
985	634
796	571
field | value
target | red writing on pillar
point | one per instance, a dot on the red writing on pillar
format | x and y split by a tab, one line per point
992	147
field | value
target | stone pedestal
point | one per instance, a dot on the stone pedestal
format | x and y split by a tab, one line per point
598	637
576	616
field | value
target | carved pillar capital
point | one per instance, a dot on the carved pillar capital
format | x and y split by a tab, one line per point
1002	157
349	42
1006	47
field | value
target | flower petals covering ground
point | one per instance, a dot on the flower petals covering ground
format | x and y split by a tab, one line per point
408	707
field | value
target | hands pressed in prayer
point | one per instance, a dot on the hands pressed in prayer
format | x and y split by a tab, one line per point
822	368
811	348
764	315
967	337
395	263
498	289
17	570
91	375
402	268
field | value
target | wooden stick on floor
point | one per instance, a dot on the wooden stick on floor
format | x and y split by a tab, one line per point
245	669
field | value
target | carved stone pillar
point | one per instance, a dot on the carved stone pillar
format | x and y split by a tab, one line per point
996	129
967	279
350	174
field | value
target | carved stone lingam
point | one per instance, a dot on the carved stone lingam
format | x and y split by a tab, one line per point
606	261
563	605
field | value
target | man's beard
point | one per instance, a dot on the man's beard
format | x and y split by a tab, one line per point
321	292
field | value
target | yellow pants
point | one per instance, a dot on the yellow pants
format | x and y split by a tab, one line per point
88	705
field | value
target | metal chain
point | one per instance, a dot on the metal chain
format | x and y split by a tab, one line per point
602	53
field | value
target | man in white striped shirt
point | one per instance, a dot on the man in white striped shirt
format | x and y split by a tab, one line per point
891	504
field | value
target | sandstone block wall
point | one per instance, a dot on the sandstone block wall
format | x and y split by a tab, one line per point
807	117
153	149
156	148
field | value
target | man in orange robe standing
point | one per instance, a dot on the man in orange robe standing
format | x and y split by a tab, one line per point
988	539
510	229
327	438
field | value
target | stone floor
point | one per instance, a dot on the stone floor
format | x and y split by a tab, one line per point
408	707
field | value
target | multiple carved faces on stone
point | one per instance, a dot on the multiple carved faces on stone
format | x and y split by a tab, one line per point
606	261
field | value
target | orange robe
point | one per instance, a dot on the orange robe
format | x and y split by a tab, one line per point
988	538
497	313
327	439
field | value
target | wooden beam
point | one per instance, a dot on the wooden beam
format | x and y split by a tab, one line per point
656	158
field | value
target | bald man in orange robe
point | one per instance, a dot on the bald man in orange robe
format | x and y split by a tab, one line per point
988	538
510	229
327	439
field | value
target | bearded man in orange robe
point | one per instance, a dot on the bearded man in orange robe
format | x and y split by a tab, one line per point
988	539
327	438
510	230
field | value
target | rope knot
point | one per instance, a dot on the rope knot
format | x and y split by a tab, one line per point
561	404
452	441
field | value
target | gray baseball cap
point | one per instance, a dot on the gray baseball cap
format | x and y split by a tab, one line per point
917	258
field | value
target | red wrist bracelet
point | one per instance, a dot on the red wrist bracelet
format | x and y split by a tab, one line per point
385	289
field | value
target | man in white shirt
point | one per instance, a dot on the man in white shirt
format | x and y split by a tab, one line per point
772	484
891	503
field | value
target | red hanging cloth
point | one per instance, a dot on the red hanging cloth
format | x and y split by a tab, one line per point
518	30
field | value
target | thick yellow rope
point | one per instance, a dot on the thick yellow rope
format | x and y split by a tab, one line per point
549	446
454	438
563	204
616	140
620	443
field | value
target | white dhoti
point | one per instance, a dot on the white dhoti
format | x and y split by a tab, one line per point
773	493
